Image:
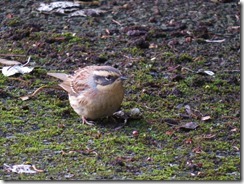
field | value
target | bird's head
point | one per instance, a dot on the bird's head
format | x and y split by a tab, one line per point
107	78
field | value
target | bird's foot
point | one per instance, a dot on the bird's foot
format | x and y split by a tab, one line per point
84	121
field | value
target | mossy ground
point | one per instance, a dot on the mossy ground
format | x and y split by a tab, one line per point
162	80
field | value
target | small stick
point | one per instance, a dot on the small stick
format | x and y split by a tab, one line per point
27	61
38	91
115	21
13	55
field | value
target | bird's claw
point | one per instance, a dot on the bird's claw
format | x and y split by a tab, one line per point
84	121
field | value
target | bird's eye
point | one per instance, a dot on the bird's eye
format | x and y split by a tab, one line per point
108	78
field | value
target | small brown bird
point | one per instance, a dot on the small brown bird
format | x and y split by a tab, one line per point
94	91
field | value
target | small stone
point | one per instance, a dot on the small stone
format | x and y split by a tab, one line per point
135	113
135	133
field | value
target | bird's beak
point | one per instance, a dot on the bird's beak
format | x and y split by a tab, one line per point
123	78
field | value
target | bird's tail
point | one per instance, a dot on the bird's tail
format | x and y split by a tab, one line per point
61	76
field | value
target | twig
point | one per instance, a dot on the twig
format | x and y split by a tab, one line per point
232	71
13	55
27	61
38	91
116	22
185	68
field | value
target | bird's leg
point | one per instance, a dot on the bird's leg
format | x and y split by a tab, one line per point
84	121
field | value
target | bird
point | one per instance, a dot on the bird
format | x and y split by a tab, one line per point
94	91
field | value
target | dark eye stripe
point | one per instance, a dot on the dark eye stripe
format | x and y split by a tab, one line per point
104	80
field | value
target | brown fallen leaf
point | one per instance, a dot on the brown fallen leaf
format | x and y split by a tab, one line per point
189	141
169	133
197	150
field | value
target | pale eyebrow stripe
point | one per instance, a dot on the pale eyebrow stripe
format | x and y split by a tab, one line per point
105	73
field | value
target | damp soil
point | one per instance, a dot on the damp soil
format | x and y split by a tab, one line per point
182	61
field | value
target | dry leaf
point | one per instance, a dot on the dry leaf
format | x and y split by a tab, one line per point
215	41
11	70
188	141
169	132
205	118
189	126
170	122
22	168
57	5
209	136
188	110
197	150
233	130
9	62
78	13
72	9
208	72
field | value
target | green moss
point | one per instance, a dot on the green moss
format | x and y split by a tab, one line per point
134	51
185	57
72	38
168	54
19	51
14	22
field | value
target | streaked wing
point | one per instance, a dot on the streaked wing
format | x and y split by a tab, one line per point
80	79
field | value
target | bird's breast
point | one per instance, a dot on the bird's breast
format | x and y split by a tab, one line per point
96	104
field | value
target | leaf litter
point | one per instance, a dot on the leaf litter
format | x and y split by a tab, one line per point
189	126
22	168
71	9
9	62
16	68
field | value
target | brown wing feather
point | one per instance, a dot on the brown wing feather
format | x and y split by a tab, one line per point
80	79
66	86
